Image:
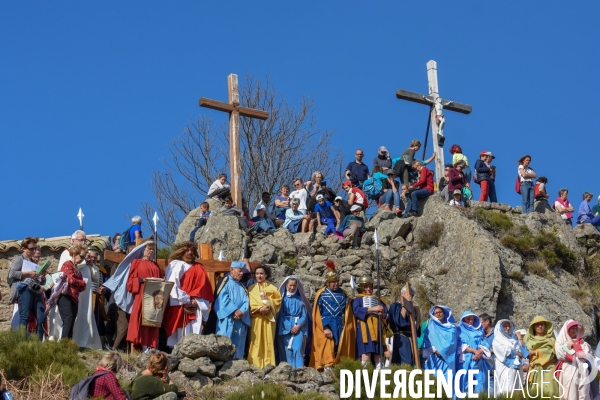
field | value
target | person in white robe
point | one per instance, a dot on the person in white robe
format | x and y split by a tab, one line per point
175	271
76	237
509	350
572	352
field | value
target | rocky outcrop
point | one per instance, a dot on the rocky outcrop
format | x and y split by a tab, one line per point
467	268
201	361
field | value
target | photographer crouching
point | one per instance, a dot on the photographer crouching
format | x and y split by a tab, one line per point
26	287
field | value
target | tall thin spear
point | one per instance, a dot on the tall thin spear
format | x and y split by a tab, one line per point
155	220
379	327
80	216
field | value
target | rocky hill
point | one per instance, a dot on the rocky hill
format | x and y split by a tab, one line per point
485	258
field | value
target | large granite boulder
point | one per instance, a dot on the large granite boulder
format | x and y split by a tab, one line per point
215	347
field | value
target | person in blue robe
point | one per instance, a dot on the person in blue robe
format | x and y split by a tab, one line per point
399	323
371	315
473	352
293	323
440	340
232	307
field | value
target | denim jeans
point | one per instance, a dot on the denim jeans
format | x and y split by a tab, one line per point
390	197
467	173
413	203
31	302
527	195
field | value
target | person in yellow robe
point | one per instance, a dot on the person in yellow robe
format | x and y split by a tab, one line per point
265	301
332	324
540	342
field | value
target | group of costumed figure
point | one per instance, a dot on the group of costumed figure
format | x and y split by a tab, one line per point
269	325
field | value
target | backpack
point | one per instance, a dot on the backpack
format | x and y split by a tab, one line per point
518	185
125	239
81	390
372	188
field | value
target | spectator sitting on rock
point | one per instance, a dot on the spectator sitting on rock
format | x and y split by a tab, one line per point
204	214
585	213
261	222
341	208
295	220
596	208
325	215
383	159
230	209
301	194
357	172
457	200
220	189
282	203
353	226
355	195
154	383
540	195
421	189
563	207
444	180
265	200
486	176
408	156
391	196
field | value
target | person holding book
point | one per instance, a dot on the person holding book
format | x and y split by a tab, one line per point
25	287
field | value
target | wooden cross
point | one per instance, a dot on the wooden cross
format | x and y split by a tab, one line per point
214	268
234	111
438	141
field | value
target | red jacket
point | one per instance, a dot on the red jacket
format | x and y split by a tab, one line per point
425	180
75	280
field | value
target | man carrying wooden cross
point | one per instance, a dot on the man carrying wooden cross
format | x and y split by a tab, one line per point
190	297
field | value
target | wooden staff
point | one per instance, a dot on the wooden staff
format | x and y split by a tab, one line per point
413	331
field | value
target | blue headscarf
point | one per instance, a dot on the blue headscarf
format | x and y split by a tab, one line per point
471	334
442	335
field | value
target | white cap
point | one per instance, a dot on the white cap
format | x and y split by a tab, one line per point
261	207
355	207
319	197
383	148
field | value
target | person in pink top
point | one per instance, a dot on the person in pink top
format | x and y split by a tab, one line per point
563	207
421	189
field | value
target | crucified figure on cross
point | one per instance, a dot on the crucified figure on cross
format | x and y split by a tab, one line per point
439	105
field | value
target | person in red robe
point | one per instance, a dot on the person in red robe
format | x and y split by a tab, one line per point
145	267
191	295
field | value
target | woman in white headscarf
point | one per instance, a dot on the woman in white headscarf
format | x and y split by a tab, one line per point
573	368
293	323
510	350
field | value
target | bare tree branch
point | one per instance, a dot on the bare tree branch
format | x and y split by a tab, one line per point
273	152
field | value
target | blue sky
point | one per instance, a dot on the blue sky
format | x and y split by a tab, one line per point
91	93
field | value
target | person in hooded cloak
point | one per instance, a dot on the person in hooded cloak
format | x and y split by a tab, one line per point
510	351
473	352
573	367
293	323
440	340
540	343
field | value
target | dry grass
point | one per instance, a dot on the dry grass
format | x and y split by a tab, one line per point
442	271
429	235
47	386
517	275
539	267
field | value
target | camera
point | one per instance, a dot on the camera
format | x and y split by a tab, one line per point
33	285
